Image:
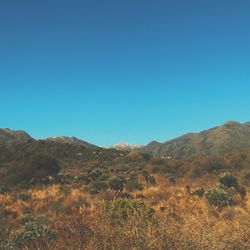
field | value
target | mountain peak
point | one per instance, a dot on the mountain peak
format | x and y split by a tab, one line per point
11	136
126	146
232	123
70	140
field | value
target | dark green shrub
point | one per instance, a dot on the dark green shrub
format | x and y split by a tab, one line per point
198	191
116	184
104	177
99	185
3	190
133	184
28	218
172	179
228	180
218	196
95	174
34	233
84	178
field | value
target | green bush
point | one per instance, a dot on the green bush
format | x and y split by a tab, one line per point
133	184
99	185
116	184
198	191
34	233
218	196
172	179
228	180
95	174
84	178
3	190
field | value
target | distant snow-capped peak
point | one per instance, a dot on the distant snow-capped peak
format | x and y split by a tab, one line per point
126	146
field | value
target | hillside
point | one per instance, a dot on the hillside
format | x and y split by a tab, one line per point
12	136
72	141
229	137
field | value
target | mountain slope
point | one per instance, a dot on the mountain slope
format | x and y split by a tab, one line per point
229	137
12	136
72	141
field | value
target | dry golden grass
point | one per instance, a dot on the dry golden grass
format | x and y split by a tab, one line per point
183	221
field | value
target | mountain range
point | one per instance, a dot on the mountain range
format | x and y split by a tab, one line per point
229	137
226	138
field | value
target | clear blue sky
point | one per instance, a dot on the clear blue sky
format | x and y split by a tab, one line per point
109	71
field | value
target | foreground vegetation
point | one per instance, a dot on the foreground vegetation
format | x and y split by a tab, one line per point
53	197
161	215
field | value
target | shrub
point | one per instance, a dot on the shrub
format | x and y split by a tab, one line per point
218	196
35	233
228	180
198	191
3	190
133	184
116	184
172	179
84	178
99	185
95	174
104	177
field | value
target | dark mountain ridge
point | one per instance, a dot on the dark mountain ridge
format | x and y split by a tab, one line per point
229	137
11	136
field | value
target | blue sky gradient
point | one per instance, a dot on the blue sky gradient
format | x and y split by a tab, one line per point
135	71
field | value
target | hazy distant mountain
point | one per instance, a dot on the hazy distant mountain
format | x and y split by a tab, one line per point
71	140
228	137
12	136
126	146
